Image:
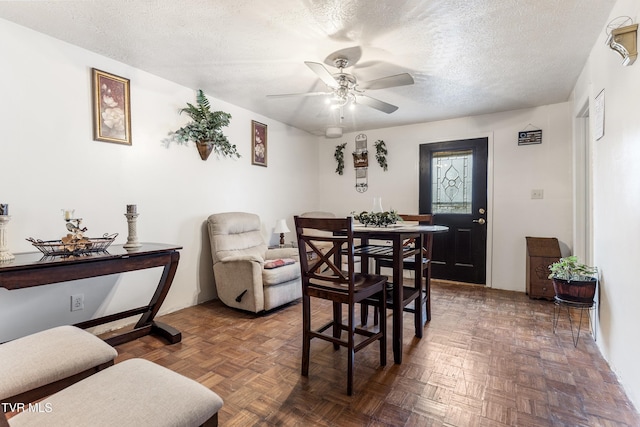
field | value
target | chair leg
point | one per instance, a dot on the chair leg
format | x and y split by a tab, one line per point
337	321
427	293
306	337
351	349
382	308
364	313
418	319
376	319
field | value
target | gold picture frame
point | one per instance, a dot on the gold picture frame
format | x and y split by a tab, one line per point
258	143
111	108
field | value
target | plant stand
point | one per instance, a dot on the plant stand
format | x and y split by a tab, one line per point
582	306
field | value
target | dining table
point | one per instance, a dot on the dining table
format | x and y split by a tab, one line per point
388	243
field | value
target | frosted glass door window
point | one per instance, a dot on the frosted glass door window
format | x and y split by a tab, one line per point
451	182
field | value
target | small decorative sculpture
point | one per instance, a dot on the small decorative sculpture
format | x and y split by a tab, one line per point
132	238
75	241
5	255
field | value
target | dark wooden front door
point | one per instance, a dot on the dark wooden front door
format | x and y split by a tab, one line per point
453	186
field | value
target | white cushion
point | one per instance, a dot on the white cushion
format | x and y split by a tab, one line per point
48	356
135	392
275	276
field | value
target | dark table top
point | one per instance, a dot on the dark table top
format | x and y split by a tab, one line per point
26	260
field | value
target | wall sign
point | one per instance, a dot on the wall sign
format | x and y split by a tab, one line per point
361	163
528	137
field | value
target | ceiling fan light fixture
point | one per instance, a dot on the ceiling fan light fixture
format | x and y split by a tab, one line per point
333	132
624	41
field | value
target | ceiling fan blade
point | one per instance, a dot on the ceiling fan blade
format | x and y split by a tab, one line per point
385	107
323	73
289	95
389	81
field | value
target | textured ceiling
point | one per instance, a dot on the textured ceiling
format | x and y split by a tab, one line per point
467	57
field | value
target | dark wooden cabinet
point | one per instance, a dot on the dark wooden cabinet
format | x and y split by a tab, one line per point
541	252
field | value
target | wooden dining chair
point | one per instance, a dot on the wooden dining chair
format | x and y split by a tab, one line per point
324	277
409	264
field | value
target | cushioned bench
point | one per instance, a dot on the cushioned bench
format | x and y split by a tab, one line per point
42	363
135	392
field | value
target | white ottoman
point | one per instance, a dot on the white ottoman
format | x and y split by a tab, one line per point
134	393
42	363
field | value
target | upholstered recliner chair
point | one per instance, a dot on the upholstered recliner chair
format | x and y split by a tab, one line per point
248	274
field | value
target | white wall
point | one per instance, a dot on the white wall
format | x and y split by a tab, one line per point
514	171
616	188
49	161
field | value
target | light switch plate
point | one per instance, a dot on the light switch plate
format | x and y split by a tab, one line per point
537	194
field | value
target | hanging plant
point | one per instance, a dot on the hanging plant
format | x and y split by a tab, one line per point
339	156
206	129
381	154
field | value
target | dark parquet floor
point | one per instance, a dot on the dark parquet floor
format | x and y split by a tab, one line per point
487	358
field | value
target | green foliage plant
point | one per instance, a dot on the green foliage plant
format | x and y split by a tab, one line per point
381	154
569	268
339	156
206	127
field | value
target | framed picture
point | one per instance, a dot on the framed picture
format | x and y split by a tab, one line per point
258	143
111	108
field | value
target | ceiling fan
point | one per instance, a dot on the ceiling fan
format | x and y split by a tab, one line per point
344	88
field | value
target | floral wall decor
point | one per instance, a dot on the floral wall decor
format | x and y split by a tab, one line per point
381	154
111	108
258	143
339	156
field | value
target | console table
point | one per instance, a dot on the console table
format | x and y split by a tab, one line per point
32	269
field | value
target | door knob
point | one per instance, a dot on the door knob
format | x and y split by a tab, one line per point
480	221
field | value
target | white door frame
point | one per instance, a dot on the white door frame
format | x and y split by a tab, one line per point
583	194
583	185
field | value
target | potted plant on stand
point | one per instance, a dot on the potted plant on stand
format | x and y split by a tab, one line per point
573	281
206	129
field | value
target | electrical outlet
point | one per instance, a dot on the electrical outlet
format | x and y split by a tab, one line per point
77	302
537	194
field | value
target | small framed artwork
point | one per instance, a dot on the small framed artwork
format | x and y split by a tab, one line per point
111	108
258	143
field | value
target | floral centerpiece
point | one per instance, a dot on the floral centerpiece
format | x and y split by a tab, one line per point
377	219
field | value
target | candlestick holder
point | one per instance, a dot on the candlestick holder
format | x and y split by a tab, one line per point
132	238
5	255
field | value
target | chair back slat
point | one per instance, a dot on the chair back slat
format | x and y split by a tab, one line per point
427	238
321	242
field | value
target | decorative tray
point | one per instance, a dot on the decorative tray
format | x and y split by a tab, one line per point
83	246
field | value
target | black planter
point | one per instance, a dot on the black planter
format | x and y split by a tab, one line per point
581	291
